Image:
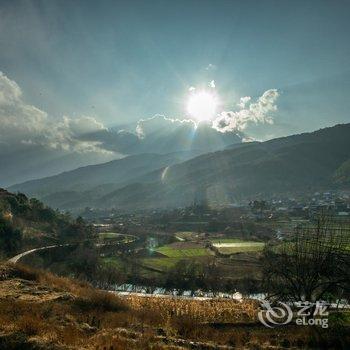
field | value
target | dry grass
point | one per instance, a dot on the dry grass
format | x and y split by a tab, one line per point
38	308
204	311
92	299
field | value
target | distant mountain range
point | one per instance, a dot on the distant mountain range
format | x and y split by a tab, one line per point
155	135
91	182
305	162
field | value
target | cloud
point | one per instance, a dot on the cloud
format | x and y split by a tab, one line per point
210	67
146	127
82	125
243	101
249	113
24	124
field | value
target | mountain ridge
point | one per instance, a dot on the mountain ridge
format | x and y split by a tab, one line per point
299	162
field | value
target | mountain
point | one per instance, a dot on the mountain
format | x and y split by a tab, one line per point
90	182
342	174
305	162
29	161
302	162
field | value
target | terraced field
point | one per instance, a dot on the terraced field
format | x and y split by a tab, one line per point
182	253
115	236
231	246
109	234
169	255
186	235
160	263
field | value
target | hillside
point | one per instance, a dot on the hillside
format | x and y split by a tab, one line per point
42	311
305	162
342	174
27	223
24	163
118	171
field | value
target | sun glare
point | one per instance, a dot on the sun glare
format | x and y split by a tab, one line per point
202	105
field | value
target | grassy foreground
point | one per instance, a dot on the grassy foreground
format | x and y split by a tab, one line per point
39	310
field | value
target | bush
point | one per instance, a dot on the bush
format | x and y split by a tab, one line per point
90	299
30	324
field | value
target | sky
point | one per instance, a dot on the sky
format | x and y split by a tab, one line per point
121	61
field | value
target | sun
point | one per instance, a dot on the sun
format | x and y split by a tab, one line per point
202	105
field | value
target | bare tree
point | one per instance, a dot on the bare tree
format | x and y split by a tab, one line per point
314	263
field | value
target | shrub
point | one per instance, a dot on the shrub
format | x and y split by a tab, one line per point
30	324
90	299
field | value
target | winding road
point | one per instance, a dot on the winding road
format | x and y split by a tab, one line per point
18	257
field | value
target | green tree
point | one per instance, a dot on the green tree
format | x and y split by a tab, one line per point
10	238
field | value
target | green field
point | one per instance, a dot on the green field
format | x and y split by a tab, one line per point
232	246
113	261
116	236
109	234
242	249
161	263
171	252
228	240
185	235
